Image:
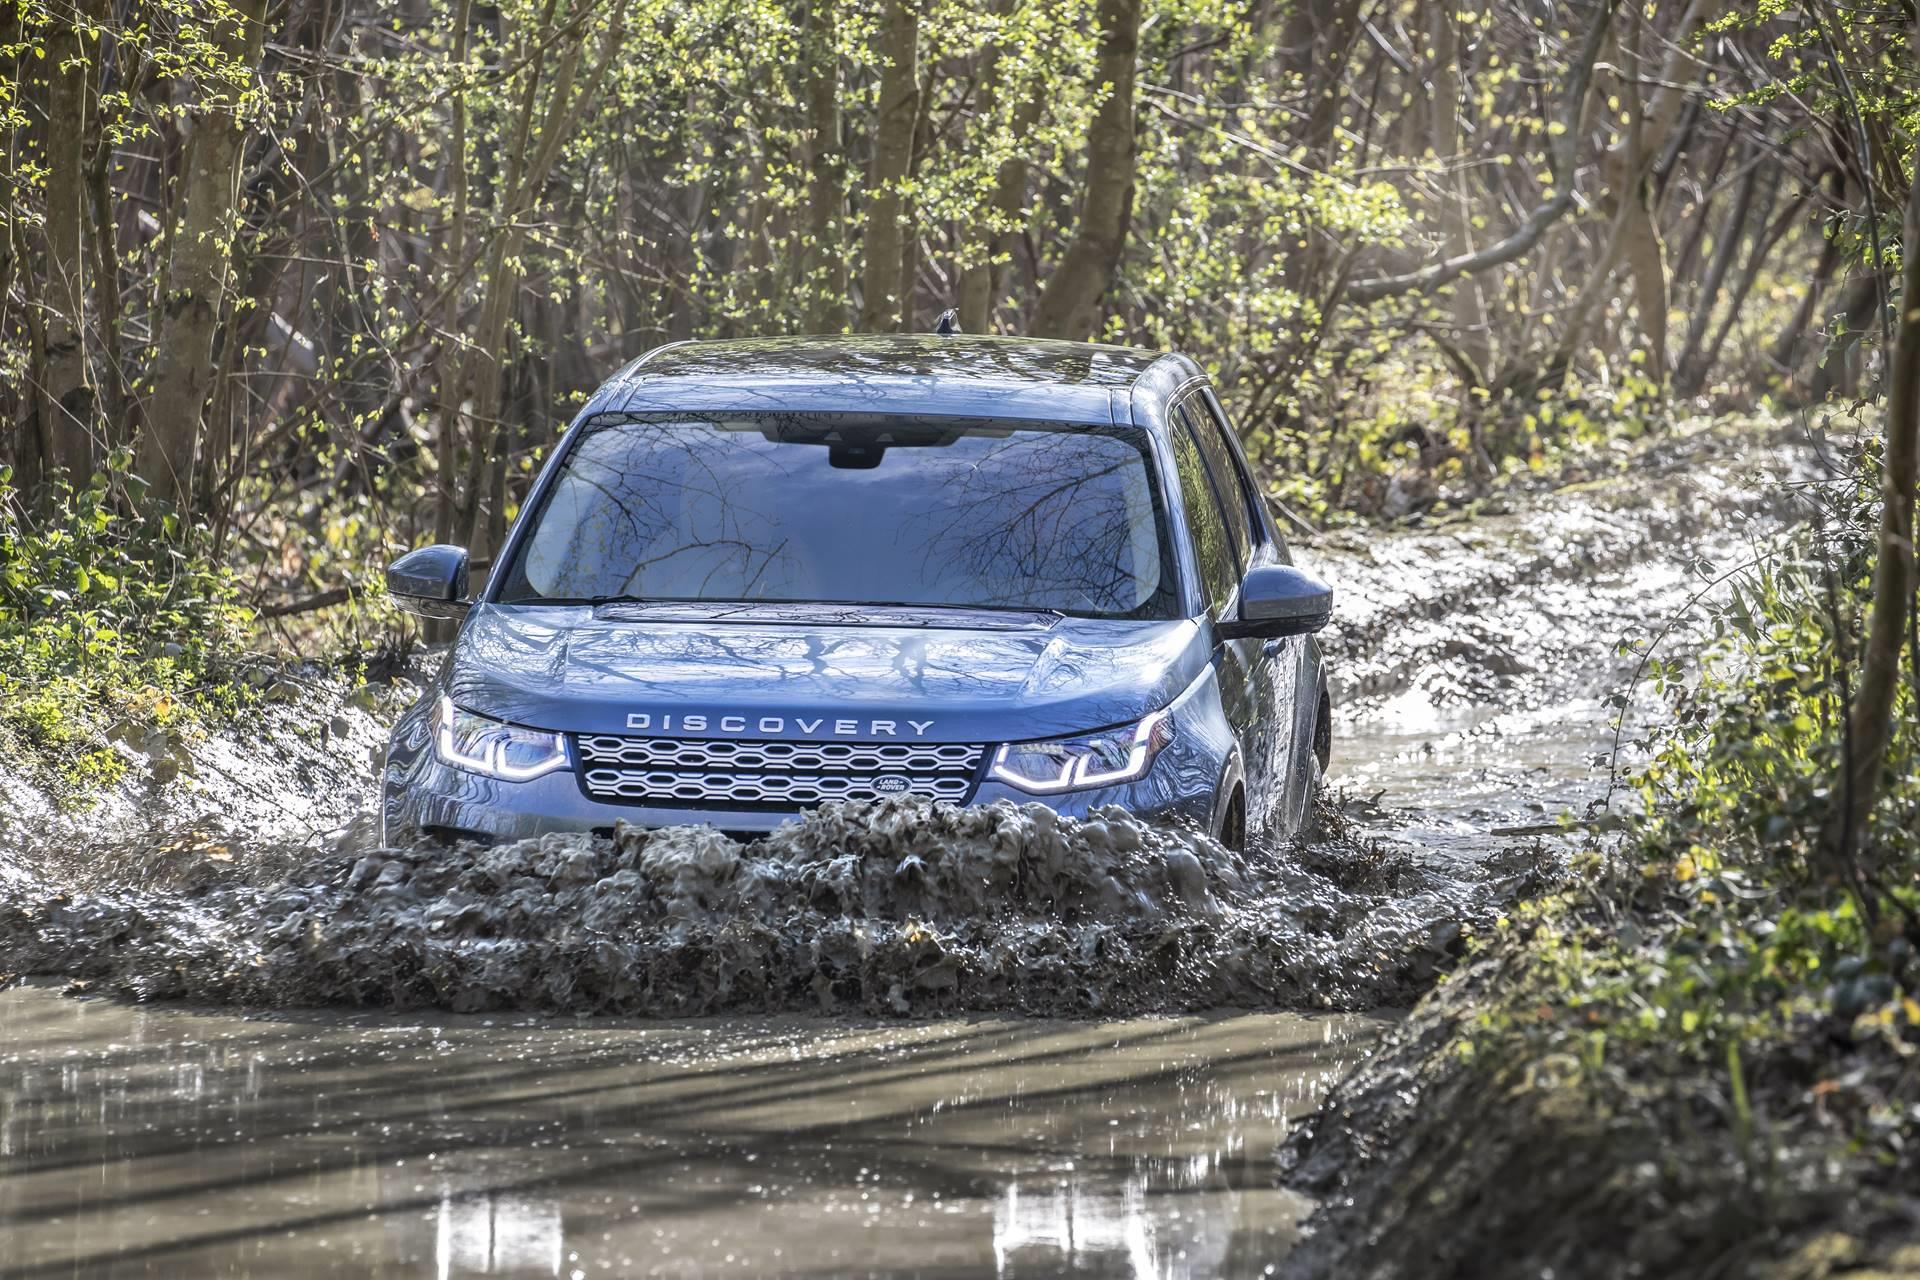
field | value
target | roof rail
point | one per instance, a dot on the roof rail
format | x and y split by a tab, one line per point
948	324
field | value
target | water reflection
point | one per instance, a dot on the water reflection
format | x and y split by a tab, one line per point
153	1142
1139	1232
489	1235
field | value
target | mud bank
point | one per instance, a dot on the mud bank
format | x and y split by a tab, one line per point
1427	1162
1498	605
1629	1083
1446	1154
293	773
889	908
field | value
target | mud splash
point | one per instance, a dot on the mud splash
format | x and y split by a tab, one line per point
889	908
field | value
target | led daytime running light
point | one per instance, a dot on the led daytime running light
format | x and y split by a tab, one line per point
1082	770
491	759
1147	741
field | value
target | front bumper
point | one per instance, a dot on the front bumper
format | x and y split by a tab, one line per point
422	796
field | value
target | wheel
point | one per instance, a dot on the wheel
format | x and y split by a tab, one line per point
1233	822
1323	732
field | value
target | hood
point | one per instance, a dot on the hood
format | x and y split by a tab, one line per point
816	673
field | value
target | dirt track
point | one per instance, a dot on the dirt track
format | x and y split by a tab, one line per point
1473	659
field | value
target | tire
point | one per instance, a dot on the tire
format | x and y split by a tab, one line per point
1232	832
1323	732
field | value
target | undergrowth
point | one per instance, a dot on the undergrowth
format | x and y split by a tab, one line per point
1405	440
1747	997
119	631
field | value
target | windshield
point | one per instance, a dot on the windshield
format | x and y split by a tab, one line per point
852	508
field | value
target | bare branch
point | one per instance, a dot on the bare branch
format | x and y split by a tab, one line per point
1564	151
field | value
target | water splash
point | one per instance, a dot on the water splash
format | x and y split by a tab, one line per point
893	907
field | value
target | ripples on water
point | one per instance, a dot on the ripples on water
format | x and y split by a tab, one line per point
142	1142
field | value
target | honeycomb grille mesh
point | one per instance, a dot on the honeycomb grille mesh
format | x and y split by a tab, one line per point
737	774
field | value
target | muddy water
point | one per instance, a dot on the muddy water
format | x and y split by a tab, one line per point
141	1142
1472	664
156	1140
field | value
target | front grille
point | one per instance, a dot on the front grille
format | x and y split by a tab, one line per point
787	775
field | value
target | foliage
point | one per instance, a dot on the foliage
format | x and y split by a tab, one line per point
113	628
454	219
1715	954
446	222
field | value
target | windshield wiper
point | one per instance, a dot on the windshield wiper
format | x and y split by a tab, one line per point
952	608
841	612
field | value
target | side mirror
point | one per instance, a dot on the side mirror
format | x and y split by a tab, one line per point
1279	600
431	582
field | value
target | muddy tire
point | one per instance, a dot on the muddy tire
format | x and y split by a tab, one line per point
1323	735
1233	821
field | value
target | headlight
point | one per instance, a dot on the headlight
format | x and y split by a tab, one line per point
505	751
1092	760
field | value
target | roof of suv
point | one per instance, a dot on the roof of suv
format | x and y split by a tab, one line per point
961	375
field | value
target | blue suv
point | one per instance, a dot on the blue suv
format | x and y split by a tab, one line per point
758	576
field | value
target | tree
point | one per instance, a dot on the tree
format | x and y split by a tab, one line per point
362	276
196	284
1870	729
65	379
1069	304
884	290
1563	150
1455	210
1627	194
981	281
824	254
544	115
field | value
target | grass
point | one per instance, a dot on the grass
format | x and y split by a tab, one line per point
1712	1001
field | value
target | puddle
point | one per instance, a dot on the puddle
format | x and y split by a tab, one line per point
139	1142
908	1134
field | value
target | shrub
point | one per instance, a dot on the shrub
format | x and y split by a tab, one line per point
116	623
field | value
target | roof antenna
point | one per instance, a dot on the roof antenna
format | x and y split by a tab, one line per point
948	324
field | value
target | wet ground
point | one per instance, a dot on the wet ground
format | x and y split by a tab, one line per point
143	1142
160	1139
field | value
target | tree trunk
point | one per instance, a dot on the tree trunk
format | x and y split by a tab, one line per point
67	395
1626	169
1592	297
882	290
1472	339
1707	301
1765	236
1069	305
198	271
1709	182
1837	374
1646	256
116	397
1870	727
1321	35
449	388
530	164
909	214
1789	349
1317	43
982	283
825	254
